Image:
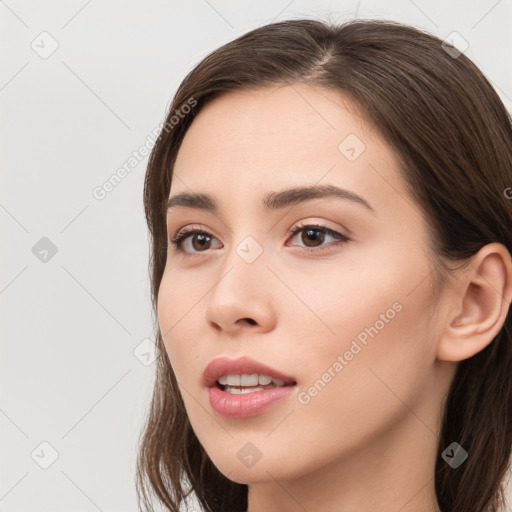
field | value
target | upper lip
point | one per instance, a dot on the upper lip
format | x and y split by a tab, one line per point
242	365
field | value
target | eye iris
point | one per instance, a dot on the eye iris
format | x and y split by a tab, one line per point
311	235
205	239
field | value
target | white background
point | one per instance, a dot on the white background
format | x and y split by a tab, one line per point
69	376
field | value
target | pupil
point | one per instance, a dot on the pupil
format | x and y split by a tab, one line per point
312	234
204	240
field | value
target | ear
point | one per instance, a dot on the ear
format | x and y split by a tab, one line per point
480	304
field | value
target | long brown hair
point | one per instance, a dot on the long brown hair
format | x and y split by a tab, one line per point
453	137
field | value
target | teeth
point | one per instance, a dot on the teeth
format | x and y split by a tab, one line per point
242	391
233	380
248	380
264	380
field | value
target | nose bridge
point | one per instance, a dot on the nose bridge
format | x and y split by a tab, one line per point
243	268
245	250
241	291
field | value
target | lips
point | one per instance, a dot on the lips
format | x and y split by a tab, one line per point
242	402
242	365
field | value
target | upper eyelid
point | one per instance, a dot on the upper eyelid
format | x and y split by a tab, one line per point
190	228
312	208
182	234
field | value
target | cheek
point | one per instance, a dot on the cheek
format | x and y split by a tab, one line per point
176	307
377	288
378	357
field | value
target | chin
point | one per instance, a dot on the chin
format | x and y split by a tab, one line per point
265	470
253	475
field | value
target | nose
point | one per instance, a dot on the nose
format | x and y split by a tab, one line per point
242	298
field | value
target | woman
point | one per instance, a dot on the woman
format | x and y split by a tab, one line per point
332	277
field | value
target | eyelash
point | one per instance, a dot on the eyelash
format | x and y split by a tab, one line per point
187	232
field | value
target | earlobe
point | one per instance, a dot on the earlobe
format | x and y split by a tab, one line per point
482	301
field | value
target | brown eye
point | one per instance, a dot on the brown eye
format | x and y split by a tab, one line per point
313	237
196	240
200	241
193	241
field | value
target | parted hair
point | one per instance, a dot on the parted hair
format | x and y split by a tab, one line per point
453	138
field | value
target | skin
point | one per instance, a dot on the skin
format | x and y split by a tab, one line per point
368	440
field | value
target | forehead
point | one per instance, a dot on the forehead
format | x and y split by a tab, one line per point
274	124
255	141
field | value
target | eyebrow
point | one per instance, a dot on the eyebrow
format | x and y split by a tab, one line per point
273	200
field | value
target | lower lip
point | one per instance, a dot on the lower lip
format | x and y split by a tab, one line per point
246	405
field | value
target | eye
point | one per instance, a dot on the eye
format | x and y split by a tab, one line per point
202	241
193	241
314	235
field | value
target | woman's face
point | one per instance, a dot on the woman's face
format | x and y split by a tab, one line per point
346	320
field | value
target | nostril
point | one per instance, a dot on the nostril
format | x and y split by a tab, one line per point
250	320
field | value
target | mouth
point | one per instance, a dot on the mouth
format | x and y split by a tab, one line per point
243	388
241	384
244	375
